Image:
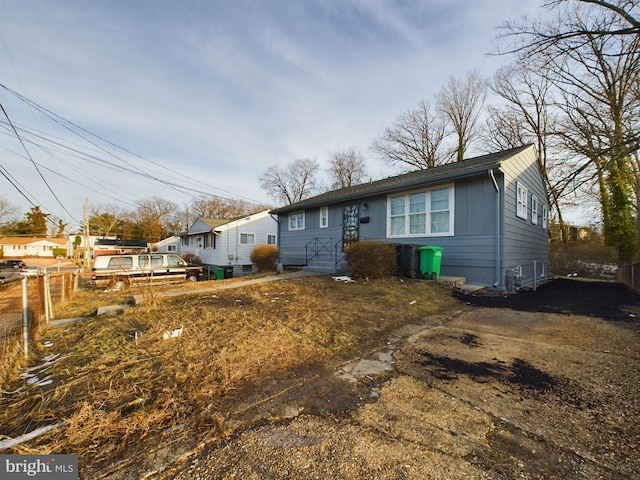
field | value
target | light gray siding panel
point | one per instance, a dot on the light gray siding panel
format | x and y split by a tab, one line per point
489	240
524	242
475	207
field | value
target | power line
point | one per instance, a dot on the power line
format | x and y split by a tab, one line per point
64	123
33	162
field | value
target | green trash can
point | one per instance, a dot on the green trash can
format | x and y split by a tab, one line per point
430	260
219	273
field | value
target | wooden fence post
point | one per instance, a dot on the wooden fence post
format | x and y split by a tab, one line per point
25	316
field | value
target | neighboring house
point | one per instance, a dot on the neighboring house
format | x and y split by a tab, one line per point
77	244
229	242
32	247
110	246
489	214
574	232
168	245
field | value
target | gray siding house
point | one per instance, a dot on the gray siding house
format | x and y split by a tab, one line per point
219	242
489	214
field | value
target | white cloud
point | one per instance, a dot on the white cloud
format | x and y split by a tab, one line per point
220	90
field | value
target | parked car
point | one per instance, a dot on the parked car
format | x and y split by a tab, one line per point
31	271
120	271
4	264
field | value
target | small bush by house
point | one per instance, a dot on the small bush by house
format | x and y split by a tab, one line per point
371	259
191	259
264	257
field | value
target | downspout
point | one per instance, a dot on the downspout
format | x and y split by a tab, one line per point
498	230
276	218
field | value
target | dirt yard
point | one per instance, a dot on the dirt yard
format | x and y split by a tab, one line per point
538	385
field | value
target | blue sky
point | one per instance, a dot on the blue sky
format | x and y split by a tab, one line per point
208	94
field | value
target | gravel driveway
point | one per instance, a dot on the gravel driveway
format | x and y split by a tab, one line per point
538	385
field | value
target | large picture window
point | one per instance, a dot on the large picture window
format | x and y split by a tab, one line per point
424	213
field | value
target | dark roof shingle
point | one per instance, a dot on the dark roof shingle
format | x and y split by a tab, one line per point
443	173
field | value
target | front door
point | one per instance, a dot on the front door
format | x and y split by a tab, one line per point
350	232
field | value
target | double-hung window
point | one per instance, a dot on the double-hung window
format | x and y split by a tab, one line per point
417	213
209	240
296	221
440	212
324	217
397	218
523	193
247	239
534	209
545	216
422	213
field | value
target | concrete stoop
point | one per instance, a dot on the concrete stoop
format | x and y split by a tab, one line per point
459	284
452	281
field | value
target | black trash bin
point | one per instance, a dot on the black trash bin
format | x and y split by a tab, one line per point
228	271
408	260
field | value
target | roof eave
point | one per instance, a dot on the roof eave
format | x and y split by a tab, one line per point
387	189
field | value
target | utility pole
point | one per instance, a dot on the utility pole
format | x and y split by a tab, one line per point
86	242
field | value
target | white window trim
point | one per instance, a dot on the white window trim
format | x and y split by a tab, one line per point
296	227
545	216
534	209
522	198
324	214
210	241
428	191
275	239
252	235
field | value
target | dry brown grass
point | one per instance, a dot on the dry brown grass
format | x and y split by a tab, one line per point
119	383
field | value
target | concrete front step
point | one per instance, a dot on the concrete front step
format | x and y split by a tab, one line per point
452	281
328	268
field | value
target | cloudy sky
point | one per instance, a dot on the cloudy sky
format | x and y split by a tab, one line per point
121	100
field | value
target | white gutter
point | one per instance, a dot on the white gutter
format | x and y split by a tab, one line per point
498	230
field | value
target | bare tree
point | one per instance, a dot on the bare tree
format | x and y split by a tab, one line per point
528	116
107	220
596	69
346	168
153	216
295	182
536	37
7	209
461	102
415	139
222	208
